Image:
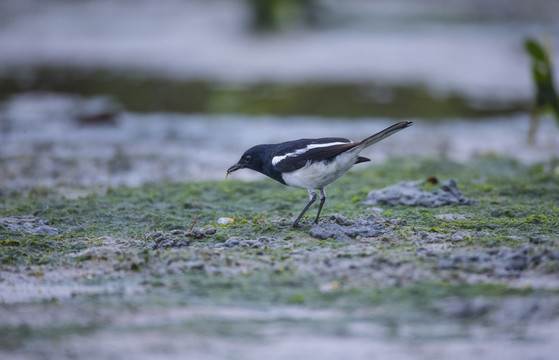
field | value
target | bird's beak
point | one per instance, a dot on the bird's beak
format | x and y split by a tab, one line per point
235	167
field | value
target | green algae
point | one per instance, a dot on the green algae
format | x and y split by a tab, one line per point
513	203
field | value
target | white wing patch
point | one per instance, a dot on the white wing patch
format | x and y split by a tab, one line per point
277	159
313	146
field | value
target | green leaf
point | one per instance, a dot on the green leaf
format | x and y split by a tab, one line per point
536	50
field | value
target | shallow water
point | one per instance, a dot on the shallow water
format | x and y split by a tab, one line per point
43	143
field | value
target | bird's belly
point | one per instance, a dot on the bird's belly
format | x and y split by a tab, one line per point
316	175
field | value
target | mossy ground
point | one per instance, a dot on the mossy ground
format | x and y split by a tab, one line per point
513	200
106	236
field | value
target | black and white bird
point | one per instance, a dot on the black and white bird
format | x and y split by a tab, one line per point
310	164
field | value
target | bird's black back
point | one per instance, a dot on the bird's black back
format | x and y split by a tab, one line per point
263	155
297	161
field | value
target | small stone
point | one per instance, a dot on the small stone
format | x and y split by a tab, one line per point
399	222
163	243
460	236
453	217
375	217
341	220
224	220
167	242
210	231
253	244
329	287
196	234
231	242
155	235
260	243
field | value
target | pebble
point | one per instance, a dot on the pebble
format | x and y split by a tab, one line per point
178	237
260	243
224	220
454	217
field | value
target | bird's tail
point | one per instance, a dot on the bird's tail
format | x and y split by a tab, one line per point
383	134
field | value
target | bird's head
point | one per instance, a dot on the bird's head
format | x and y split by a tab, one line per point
251	159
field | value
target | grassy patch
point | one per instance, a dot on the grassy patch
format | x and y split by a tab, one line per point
514	202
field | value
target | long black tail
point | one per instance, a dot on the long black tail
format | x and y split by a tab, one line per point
383	134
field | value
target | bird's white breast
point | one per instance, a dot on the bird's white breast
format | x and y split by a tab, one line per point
315	175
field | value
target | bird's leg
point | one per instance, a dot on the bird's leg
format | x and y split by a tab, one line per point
312	199
322	200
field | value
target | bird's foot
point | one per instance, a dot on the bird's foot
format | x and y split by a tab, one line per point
298	224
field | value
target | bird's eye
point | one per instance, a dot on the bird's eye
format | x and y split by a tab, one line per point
248	158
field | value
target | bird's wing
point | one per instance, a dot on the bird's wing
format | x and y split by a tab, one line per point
293	155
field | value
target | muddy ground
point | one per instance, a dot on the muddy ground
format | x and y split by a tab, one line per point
97	270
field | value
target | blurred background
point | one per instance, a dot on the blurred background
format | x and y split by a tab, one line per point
136	91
